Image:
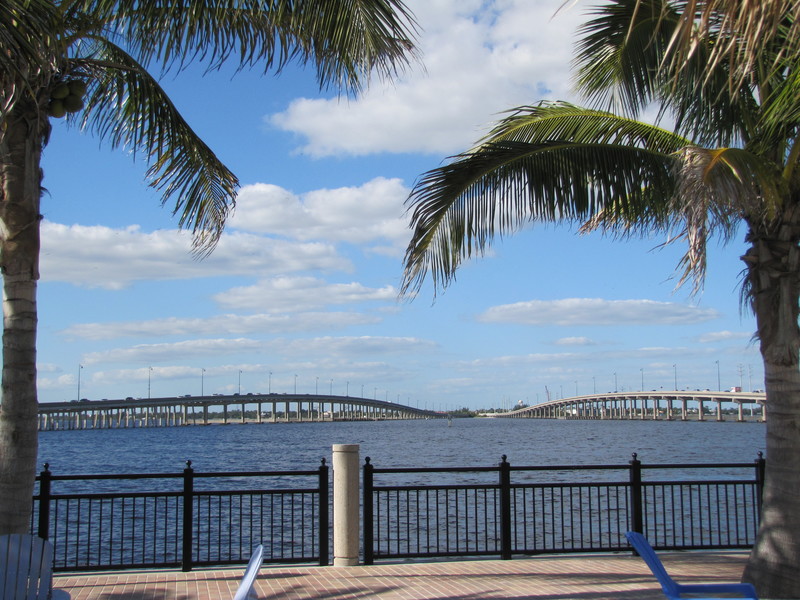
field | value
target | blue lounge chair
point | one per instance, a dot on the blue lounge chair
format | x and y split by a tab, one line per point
677	591
245	591
26	569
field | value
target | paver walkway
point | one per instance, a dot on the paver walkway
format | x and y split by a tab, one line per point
584	577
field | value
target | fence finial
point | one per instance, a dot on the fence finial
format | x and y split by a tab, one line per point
47	465
323	461
188	464
367	459
504	457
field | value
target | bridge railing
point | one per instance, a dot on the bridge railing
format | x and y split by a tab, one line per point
508	510
183	519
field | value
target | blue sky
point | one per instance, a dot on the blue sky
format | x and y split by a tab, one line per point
302	289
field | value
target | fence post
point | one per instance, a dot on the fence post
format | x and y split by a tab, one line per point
345	505
505	509
44	502
188	510
369	523
636	495
324	515
761	466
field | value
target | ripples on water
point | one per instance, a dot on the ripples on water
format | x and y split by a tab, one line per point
434	443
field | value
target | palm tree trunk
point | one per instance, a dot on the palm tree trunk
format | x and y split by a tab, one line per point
20	190
773	266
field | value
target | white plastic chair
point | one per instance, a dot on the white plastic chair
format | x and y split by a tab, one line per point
245	591
26	569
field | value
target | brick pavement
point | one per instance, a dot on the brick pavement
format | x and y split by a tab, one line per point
578	577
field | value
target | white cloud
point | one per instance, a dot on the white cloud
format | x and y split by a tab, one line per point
299	294
520	360
351	346
125	376
174	351
221	324
55	383
723	336
575	341
480	60
357	215
98	256
596	311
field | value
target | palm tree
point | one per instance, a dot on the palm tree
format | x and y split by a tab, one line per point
90	60
728	161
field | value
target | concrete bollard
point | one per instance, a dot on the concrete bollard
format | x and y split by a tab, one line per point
345	505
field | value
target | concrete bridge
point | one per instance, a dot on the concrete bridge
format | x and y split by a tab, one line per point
198	410
666	405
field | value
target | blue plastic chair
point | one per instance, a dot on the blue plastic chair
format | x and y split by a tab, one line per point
676	591
245	590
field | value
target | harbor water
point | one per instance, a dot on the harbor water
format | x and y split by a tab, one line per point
431	443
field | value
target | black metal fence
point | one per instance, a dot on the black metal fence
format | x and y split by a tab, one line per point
194	521
197	519
555	509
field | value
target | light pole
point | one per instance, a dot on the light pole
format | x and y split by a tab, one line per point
269	389
295	383
615	383
347	388
80	368
675	373
202	382
642	370
240	382
719	380
316	387
331	390
149	372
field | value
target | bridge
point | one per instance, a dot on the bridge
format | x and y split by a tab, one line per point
666	405
196	410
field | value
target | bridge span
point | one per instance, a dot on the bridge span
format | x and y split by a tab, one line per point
197	410
665	405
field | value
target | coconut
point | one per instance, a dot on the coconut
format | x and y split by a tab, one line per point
77	87
56	109
60	91
73	103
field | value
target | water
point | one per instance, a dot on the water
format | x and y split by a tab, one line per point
116	531
434	443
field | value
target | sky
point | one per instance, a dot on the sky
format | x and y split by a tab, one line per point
301	293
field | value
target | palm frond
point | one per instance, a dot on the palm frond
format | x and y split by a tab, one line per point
30	50
624	59
549	121
547	170
716	189
744	35
126	107
345	40
618	53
